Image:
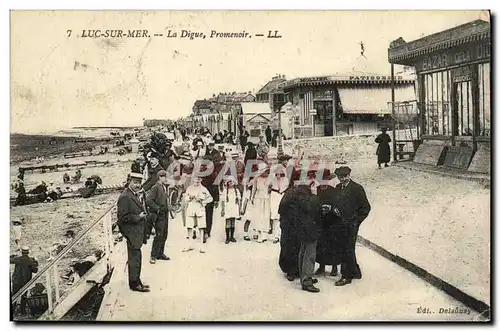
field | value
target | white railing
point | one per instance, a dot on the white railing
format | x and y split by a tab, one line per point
51	270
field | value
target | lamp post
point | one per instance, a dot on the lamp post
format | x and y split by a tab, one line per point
280	136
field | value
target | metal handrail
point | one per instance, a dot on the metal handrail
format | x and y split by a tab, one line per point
63	252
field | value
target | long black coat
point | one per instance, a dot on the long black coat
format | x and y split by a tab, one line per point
297	210
383	149
352	203
331	243
130	224
289	241
250	154
24	267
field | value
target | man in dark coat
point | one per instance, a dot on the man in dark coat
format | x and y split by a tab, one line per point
168	158
214	156
383	149
154	167
331	243
25	267
244	138
352	207
131	218
269	135
250	153
21	195
157	205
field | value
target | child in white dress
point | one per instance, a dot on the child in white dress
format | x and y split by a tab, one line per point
196	198
230	206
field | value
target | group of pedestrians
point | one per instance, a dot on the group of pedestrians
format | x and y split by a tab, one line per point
320	224
315	223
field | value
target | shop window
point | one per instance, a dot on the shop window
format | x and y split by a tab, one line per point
437	117
484	100
323	93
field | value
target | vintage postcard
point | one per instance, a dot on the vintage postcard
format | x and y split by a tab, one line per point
250	166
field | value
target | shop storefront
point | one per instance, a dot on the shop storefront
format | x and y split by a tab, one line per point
348	104
453	69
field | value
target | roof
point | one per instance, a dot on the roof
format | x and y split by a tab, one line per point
249	108
257	116
348	78
241	96
271	85
236	97
373	100
202	103
477	30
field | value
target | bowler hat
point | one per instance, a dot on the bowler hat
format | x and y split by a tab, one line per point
284	157
342	171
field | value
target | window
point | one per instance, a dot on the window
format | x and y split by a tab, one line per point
323	93
484	100
437	117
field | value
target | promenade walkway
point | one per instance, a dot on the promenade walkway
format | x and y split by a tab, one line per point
242	282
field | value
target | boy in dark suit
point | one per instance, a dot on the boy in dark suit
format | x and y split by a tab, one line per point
157	204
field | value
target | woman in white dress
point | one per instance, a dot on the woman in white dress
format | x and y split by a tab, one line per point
279	184
259	199
196	198
230	206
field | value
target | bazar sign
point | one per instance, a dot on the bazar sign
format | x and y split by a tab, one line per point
464	55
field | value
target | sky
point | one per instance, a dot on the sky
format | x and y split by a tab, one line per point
59	82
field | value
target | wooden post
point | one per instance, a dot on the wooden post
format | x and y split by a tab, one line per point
475	104
106	236
280	140
453	106
56	282
49	292
334	113
393	98
421	103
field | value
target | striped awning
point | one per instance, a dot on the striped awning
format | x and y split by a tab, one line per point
373	100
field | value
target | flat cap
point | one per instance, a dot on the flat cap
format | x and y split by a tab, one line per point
162	173
342	171
25	249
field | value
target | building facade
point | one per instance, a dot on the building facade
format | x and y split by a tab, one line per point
454	70
354	103
272	93
221	112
